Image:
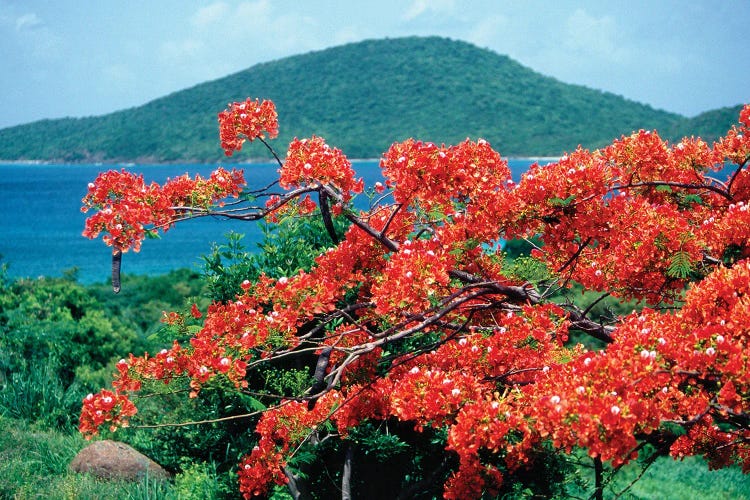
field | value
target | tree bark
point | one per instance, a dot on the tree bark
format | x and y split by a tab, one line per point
116	263
325	212
292	484
599	485
346	476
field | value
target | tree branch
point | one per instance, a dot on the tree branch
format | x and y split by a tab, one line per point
319	376
116	265
722	192
525	293
579	322
292	484
273	152
599	486
325	212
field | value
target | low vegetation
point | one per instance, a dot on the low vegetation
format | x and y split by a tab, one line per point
60	340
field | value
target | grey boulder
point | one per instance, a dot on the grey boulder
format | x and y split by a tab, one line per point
114	460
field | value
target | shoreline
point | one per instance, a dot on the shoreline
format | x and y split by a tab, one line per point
128	164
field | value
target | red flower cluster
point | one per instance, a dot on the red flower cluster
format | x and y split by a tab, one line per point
251	119
280	429
105	407
413	277
127	209
445	177
312	160
661	367
635	218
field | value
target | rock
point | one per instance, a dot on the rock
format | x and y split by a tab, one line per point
113	460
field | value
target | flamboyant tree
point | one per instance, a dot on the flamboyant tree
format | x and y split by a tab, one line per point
414	316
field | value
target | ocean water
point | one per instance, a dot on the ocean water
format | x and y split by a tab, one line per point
41	220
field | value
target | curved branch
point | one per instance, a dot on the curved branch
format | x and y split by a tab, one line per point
722	192
573	257
319	376
325	212
590	306
378	235
192	212
385	336
525	293
597	330
273	152
735	174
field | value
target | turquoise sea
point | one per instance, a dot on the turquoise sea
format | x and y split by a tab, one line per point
41	221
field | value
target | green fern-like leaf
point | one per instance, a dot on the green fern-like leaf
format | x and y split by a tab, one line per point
680	265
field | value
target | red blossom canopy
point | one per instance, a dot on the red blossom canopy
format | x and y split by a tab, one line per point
490	361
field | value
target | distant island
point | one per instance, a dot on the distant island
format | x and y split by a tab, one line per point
362	97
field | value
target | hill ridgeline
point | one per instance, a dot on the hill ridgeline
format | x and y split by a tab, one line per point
362	97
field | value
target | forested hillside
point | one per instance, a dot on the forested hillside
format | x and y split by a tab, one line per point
362	97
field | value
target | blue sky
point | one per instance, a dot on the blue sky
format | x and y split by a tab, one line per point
81	58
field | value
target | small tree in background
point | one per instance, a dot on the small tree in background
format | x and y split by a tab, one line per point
411	341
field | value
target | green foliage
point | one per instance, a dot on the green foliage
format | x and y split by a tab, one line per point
36	393
549	475
518	247
709	125
528	269
361	97
388	460
289	382
665	478
143	299
59	339
221	441
60	319
286	248
200	481
227	266
56	345
680	265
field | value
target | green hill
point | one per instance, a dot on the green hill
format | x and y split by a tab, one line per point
709	125
361	97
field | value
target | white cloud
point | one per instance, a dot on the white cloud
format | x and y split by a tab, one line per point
254	14
180	50
347	34
119	76
34	40
28	22
488	30
230	36
233	18
594	37
421	7
210	15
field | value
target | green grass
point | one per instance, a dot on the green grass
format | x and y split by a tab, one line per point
690	479
666	479
34	465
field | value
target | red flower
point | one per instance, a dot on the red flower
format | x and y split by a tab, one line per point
251	119
195	312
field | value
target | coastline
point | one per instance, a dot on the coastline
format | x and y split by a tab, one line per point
256	161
